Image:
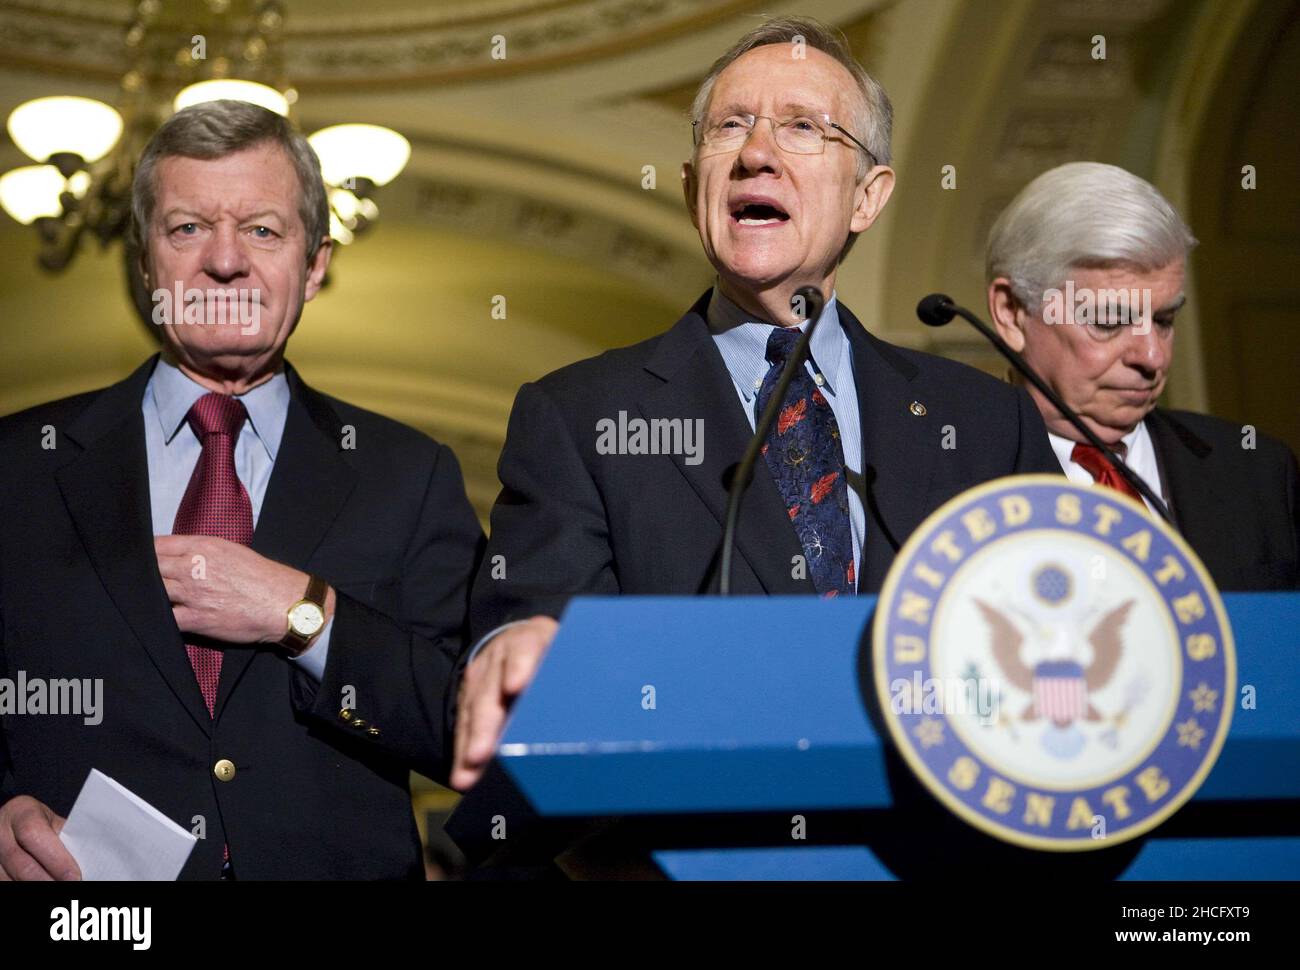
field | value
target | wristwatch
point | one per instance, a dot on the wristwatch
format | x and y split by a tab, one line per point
307	616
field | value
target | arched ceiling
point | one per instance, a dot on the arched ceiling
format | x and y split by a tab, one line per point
527	178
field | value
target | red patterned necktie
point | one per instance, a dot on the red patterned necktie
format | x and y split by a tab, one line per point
215	504
1101	470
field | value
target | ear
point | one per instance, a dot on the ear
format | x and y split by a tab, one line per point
316	271
870	197
141	254
689	186
1008	315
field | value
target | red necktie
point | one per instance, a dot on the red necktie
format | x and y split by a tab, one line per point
1101	470
215	504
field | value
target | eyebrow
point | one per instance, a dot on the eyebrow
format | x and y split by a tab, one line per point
789	108
796	108
182	211
176	211
1172	306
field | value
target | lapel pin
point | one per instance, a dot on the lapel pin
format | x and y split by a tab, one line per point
917	408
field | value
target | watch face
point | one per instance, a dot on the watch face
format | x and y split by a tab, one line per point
306	619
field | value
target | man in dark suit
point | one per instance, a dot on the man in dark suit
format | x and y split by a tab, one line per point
615	469
1085	276
270	584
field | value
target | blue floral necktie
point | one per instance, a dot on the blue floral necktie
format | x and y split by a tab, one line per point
806	459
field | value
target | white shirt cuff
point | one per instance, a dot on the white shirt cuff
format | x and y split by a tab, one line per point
488	637
312	660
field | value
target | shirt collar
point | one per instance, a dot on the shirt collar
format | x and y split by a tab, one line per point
174	394
743	339
1134	440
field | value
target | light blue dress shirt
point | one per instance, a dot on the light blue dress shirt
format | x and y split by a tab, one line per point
174	449
742	341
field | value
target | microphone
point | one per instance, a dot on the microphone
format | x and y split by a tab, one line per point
810	301
937	309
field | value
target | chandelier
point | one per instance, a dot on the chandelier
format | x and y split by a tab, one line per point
177	54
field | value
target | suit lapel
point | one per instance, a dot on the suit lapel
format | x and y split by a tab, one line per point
106	490
898	449
1179	453
309	486
697	385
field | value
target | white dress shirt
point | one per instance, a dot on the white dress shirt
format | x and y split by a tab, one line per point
1140	456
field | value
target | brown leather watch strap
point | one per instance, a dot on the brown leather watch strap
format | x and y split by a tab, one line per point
317	588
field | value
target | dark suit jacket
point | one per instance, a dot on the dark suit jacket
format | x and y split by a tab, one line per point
386	523
572	521
1238	508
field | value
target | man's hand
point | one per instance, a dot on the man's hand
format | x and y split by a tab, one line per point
29	843
226	591
499	674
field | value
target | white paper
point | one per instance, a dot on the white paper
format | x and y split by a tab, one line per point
115	834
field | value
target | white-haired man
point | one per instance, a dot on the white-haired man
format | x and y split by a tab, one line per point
1086	273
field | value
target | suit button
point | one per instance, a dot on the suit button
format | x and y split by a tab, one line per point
345	714
358	723
224	769
373	732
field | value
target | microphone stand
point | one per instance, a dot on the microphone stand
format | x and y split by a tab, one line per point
814	302
937	309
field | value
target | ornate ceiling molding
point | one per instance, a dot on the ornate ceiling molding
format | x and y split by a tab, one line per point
327	51
565	230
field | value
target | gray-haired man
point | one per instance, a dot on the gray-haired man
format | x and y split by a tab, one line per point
1086	274
270	583
790	163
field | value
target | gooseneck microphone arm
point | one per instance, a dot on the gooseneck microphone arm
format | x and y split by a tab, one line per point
813	303
938	308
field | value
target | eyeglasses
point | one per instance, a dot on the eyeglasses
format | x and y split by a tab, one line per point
798	135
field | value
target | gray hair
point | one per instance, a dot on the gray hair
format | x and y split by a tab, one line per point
1079	215
215	129
874	118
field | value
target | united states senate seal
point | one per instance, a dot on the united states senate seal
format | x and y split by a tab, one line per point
1054	663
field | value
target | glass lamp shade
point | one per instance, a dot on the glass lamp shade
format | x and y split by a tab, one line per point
30	192
360	152
79	126
79	184
345	205
338	232
231	89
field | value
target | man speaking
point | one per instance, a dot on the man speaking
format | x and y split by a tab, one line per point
1086	271
270	584
790	163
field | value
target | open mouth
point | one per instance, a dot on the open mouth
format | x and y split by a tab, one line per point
758	214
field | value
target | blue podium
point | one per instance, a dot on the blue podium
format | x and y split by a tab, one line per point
705	738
